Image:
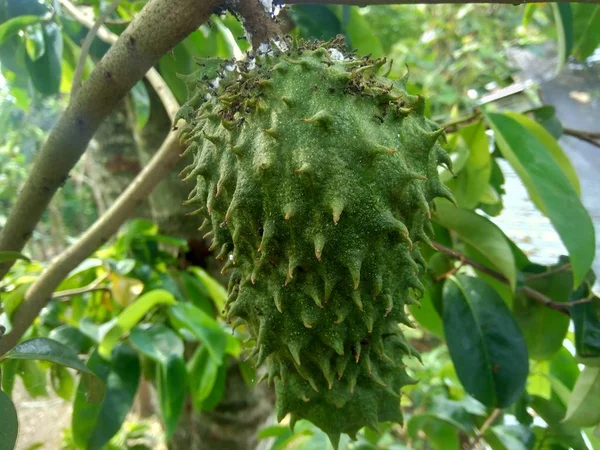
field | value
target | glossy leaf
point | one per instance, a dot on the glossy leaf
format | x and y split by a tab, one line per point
553	415
45	72
9	425
485	343
171	384
131	316
12	256
95	422
203	371
480	233
471	183
583	410
157	342
202	326
549	188
47	350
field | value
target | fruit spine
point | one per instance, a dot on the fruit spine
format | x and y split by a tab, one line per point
316	177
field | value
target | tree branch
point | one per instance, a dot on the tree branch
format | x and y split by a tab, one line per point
40	292
259	25
587	136
425	2
156	29
526	290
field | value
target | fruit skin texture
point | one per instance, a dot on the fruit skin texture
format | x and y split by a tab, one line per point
316	177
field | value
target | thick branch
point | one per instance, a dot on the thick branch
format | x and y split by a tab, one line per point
40	292
526	290
156	29
257	21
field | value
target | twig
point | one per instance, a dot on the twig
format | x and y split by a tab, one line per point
104	34
38	294
488	422
547	273
587	136
93	286
526	290
160	26
87	43
453	125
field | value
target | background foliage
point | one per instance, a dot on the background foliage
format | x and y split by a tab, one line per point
510	349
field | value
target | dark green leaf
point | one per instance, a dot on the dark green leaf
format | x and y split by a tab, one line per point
46	71
553	415
586	18
12	256
9	369
316	21
214	288
171	384
586	318
157	342
94	422
546	117
549	188
216	394
9	425
202	326
482	234
485	343
360	35
72	338
563	18
510	437
47	350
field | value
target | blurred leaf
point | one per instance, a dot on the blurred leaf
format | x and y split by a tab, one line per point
441	434
546	117
95	423
586	319
171	386
563	18
360	35
315	21
564	369
178	62
510	437
72	338
553	415
141	103
485	343
45	349
480	233
215	290
45	72
13	299
203	371
195	292
157	342
427	315
34	378
202	326
218	390
549	188
131	316
9	426
9	369
63	383
472	181
12	256
583	409
586	18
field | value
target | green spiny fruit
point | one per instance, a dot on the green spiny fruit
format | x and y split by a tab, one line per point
316	177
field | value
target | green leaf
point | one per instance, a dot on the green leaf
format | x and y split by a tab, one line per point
178	62
360	35
171	383
12	256
9	369
549	188
315	21
202	326
63	383
34	378
46	71
157	342
563	17
9	425
427	315
583	409
546	117
215	290
586	319
131	316
553	414
203	371
14	25
72	337
45	349
12	300
441	434
485	343
471	182
509	437
480	233
586	18
94	423
218	390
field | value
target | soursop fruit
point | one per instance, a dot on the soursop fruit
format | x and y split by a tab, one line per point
316	177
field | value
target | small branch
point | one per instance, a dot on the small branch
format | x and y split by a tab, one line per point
73	292
160	26
87	43
488	422
526	290
587	136
454	125
547	273
40	292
